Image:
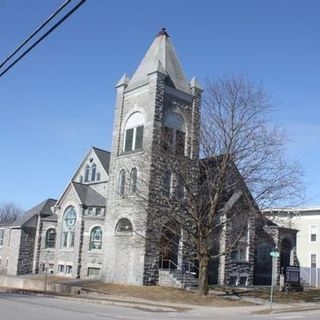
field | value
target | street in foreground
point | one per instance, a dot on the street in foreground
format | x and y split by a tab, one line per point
29	307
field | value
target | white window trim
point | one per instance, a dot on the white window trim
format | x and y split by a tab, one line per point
317	267
310	227
2	239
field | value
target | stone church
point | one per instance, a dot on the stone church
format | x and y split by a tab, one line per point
97	228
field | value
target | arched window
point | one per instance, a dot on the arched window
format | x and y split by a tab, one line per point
122	182
133	180
180	188
174	134
167	178
93	172
124	226
69	224
51	238
95	238
133	133
87	173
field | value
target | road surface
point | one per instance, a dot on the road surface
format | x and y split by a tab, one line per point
30	307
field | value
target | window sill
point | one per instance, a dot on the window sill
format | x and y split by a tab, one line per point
126	234
127	153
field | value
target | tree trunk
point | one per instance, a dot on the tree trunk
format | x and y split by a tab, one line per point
203	275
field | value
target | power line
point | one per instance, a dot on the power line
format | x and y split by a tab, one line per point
42	37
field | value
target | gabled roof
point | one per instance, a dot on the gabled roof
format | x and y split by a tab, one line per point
160	57
88	196
104	157
43	209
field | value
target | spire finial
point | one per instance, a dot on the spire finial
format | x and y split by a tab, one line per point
163	32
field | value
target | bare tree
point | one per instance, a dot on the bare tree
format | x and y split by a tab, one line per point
206	206
9	212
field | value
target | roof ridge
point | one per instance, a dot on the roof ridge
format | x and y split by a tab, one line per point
100	149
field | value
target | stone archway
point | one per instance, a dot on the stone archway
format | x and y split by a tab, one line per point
169	245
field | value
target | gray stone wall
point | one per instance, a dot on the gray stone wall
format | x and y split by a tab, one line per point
91	258
13	249
26	250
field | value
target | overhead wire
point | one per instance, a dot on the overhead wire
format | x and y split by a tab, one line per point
33	34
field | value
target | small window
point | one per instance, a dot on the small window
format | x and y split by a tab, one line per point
167	183
51	238
93	172
61	268
133	180
313	260
180	192
98	176
95	239
98	212
1	237
313	233
87	173
68	269
122	182
168	139
81	179
94	272
124	226
180	142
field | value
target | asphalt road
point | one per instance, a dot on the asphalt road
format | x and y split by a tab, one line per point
28	307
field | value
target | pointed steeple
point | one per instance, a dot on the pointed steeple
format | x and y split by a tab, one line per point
161	53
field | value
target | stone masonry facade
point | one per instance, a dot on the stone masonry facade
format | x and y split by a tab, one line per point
108	222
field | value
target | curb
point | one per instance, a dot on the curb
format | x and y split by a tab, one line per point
123	303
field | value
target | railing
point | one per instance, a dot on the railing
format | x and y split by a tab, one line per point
170	263
187	266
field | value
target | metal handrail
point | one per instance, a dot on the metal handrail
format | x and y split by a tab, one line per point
170	262
191	263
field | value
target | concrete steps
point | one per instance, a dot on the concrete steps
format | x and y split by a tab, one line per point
176	278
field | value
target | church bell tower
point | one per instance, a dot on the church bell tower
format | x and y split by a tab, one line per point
156	101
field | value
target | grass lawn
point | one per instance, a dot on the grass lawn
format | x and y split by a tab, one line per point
310	295
163	294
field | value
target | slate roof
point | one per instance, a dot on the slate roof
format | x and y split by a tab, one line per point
161	57
104	157
88	196
43	208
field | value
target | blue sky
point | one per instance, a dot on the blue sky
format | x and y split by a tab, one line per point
59	100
